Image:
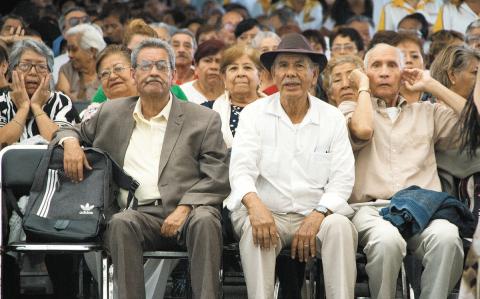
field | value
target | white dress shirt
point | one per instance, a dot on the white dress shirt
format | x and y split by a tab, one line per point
142	158
294	168
193	95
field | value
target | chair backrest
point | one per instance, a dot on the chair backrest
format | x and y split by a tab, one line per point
18	166
81	105
17	170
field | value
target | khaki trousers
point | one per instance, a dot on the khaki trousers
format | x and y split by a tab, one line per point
336	244
438	246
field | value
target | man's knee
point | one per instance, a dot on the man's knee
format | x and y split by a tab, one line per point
445	236
205	218
120	228
386	241
338	224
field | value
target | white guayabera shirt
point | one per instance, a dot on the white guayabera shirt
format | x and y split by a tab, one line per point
292	168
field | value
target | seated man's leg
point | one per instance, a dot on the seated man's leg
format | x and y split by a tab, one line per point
337	244
441	250
204	245
258	264
385	249
128	234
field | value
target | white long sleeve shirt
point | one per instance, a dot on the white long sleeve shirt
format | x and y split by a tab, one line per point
293	168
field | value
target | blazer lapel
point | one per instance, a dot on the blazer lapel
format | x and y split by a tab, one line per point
126	127
174	126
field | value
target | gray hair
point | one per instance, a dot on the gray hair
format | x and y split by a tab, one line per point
473	25
336	61
257	40
154	43
454	58
189	33
171	29
61	20
362	19
29	44
284	14
91	36
400	55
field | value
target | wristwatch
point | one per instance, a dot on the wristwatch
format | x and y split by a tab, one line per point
323	210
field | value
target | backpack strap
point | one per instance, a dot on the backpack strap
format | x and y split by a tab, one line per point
12	201
126	182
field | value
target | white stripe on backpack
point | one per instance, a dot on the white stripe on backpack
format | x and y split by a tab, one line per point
52	180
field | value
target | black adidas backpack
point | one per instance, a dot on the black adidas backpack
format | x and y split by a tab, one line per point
60	210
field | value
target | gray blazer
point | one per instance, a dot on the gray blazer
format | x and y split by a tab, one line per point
192	170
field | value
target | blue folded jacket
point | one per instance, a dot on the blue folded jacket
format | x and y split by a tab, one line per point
412	209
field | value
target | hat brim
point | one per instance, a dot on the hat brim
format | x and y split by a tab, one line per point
268	58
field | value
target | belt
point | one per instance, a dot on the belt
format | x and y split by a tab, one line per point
156	202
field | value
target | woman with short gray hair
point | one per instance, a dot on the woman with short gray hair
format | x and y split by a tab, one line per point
78	78
31	107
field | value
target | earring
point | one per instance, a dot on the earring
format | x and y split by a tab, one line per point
453	82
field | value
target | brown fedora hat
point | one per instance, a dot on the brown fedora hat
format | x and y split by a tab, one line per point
293	43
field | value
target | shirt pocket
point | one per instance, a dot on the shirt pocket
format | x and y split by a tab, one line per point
318	169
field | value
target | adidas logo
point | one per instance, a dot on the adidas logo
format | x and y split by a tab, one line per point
86	209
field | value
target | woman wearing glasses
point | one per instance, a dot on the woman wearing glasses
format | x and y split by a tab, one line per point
31	107
114	72
346	41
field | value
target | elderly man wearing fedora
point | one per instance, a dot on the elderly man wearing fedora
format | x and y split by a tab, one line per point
291	173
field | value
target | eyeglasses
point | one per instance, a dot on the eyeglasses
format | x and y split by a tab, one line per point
25	67
74	21
346	47
117	69
415	32
147	65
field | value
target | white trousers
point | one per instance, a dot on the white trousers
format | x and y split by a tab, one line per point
336	244
439	247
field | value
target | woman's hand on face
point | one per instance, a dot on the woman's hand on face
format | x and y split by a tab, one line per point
15	34
42	94
358	79
19	93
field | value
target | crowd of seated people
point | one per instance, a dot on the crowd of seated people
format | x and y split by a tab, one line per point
301	125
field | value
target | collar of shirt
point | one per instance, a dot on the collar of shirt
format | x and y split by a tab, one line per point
138	115
381	104
275	108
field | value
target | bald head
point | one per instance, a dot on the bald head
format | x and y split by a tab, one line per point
384	65
381	49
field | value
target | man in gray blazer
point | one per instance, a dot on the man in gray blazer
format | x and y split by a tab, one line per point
176	151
